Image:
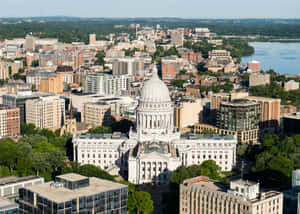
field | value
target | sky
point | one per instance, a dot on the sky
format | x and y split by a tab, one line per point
153	8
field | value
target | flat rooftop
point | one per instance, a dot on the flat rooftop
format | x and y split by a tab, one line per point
14	179
206	136
4	204
115	135
62	194
295	115
244	182
72	177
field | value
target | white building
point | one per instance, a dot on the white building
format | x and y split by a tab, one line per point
105	84
46	112
151	152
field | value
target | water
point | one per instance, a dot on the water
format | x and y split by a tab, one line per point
283	58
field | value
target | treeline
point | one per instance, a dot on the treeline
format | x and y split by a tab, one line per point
274	160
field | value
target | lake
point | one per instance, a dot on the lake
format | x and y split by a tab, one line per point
283	57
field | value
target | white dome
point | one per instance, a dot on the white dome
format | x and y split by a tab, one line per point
155	90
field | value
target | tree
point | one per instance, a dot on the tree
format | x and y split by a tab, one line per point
100	58
28	129
35	63
144	204
101	130
9	153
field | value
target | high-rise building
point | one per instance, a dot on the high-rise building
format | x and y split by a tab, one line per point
188	112
240	116
92	39
105	84
177	38
254	66
52	84
54	58
72	193
201	195
270	113
46	112
169	68
291	123
96	114
30	43
9	121
19	100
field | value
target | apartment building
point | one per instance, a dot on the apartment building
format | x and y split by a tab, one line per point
106	84
257	79
241	116
96	114
19	100
9	121
201	195
46	112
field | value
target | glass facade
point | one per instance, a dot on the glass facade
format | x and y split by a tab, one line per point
113	201
239	115
10	211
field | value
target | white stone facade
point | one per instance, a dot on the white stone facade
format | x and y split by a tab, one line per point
151	152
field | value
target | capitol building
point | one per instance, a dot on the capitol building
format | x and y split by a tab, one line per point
151	152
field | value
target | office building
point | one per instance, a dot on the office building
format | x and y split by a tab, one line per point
19	100
217	98
54	58
291	123
177	38
291	85
72	193
105	84
96	114
9	121
46	112
269	115
254	66
8	207
9	186
53	84
201	195
169	68
92	39
30	43
189	111
258	79
35	77
241	116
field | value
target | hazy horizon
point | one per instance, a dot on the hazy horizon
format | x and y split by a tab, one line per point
189	9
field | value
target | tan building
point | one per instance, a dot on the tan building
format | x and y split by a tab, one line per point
177	38
46	112
291	85
189	112
202	195
72	127
256	79
53	84
270	113
96	114
9	121
254	66
216	99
